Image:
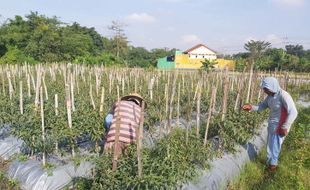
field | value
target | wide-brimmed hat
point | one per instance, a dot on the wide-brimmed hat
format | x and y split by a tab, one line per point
135	96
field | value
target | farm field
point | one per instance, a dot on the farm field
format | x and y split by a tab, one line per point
55	108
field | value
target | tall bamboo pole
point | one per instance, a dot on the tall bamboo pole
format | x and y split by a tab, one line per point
21	97
42	126
198	110
249	85
212	101
225	97
139	139
101	100
69	114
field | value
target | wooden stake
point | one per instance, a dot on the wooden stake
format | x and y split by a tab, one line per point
21	97
28	85
139	139
178	105
101	100
56	105
91	96
69	113
45	88
3	84
225	97
116	142
42	125
249	85
198	110
212	101
171	102
72	92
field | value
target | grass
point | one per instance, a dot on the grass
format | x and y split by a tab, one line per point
5	182
294	163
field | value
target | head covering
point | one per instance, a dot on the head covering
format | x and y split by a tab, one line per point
271	84
136	97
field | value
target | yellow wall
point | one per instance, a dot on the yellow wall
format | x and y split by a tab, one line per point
184	62
223	63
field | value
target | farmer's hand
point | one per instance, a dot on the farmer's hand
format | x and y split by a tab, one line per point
283	132
247	107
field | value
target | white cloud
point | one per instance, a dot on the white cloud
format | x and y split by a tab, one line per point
140	18
190	39
289	3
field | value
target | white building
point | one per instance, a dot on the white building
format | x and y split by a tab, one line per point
201	51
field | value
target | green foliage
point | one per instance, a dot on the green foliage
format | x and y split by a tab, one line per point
208	64
14	55
256	48
166	166
7	183
294	168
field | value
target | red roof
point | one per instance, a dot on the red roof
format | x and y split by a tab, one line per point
198	46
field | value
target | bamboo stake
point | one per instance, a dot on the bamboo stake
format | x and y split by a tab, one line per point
28	85
240	86
101	100
33	82
198	110
225	97
45	88
139	143
135	84
38	84
118	95
116	142
69	114
188	117
43	126
249	85
123	86
178	105
171	103
21	97
91	96
72	92
10	86
56	105
212	101
3	84
167	104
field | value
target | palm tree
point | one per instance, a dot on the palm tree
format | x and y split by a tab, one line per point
256	48
208	64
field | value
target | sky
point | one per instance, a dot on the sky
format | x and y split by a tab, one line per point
222	25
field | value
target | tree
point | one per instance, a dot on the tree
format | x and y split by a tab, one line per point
297	50
139	57
256	48
119	40
208	64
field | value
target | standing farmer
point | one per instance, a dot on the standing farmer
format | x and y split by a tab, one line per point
122	123
282	114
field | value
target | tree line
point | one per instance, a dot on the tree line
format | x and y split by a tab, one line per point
38	38
263	57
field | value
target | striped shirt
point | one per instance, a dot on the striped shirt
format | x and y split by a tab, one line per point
127	117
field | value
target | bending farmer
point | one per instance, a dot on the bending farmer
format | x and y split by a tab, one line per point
122	123
282	114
